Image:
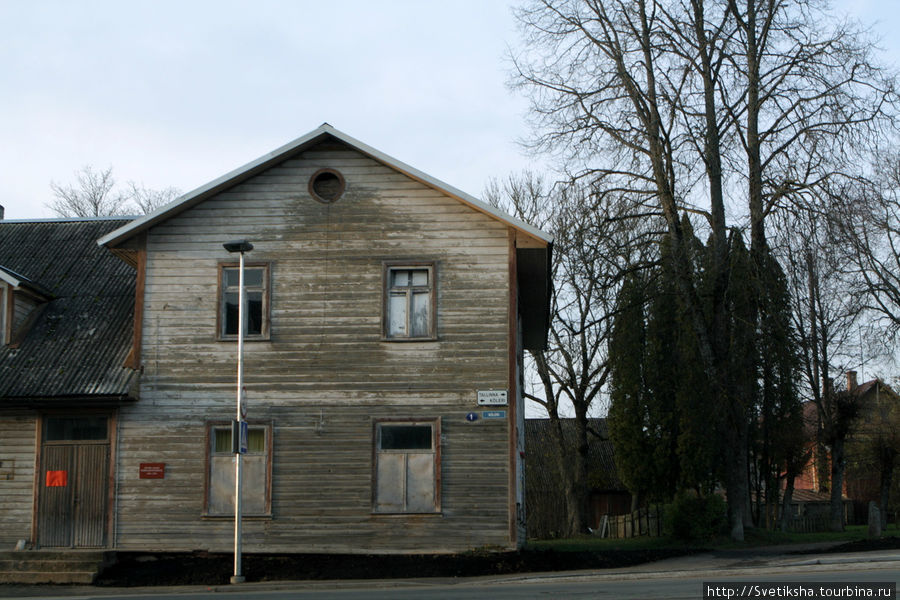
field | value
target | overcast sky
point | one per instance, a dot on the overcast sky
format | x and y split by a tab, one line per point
178	93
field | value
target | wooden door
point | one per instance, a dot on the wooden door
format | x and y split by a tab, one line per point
74	486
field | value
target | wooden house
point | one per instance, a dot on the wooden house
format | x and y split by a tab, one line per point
870	449
873	449
387	314
66	327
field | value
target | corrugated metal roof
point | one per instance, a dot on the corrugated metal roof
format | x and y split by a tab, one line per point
76	346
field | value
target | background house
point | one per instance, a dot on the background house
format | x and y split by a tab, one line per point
544	483
873	448
877	423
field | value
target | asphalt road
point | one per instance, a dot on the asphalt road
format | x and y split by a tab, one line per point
681	578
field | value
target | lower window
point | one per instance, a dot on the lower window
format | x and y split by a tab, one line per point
256	474
407	467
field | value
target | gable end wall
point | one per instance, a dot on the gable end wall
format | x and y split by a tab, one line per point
325	374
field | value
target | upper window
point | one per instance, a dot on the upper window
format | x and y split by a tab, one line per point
256	301
407	467
409	306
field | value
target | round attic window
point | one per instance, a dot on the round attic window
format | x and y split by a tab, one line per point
326	185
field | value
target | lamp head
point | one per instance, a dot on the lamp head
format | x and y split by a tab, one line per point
238	246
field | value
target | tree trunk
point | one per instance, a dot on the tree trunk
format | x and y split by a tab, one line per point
887	478
786	512
565	469
580	483
795	464
736	482
572	463
837	485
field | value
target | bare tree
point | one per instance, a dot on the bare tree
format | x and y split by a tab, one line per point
591	253
94	194
870	228
753	95
146	200
827	316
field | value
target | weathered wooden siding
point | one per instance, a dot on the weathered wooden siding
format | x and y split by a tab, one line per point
22	307
17	447
325	374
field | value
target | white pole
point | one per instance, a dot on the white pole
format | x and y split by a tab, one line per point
238	471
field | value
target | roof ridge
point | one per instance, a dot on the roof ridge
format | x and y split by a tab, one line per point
72	219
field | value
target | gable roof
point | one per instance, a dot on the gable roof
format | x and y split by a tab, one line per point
18	280
79	336
291	148
877	385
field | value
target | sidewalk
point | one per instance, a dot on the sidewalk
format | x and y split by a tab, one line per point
723	563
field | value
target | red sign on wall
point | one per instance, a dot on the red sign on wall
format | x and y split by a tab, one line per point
57	478
153	471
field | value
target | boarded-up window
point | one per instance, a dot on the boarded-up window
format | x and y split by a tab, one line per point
256	301
409	302
255	472
407	467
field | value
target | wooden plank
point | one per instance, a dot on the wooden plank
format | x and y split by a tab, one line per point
17	453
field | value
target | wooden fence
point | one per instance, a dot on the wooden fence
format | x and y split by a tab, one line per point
649	522
642	522
810	524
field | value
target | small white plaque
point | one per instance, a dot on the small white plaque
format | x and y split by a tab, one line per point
493	397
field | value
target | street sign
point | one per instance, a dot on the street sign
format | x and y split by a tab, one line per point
239	437
493	414
152	471
493	397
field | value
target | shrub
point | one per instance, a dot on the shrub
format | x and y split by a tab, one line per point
691	517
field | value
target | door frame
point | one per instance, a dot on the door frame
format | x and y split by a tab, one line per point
112	430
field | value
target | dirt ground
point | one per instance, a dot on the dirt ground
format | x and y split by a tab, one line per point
209	569
136	569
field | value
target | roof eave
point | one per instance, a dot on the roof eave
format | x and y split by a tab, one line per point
18	281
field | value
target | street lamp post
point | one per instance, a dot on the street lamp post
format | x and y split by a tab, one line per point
238	246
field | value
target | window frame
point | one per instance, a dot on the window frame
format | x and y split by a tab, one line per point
388	268
435	424
211	428
50	440
265	329
342	185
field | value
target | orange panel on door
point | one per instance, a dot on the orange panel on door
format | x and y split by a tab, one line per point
57	478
